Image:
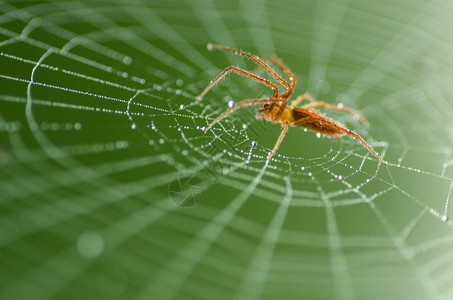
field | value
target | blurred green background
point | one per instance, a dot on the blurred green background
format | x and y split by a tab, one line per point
110	190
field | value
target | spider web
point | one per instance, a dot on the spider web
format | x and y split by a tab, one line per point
101	132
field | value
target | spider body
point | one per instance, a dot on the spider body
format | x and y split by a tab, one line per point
276	110
299	117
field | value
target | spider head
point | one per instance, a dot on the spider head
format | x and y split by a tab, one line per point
264	112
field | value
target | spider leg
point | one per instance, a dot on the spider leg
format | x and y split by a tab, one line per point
314	103
244	73
357	137
280	138
287	71
257	60
240	104
339	107
301	98
336	130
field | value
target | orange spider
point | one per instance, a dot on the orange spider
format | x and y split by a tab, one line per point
275	109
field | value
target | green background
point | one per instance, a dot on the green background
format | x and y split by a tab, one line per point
110	189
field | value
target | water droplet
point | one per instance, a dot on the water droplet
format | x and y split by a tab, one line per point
185	152
127	60
181	106
230	103
244	126
15	126
302	168
179	82
90	244
203	128
309	173
54	126
178	92
340	105
161	141
318	135
210	47
444	218
134	126
36	21
323	86
254	143
122	144
340	177
151	142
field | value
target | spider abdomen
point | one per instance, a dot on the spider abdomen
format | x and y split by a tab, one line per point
316	122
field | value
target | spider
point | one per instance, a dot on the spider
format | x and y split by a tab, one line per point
275	109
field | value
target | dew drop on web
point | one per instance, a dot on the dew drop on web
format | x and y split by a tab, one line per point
127	60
